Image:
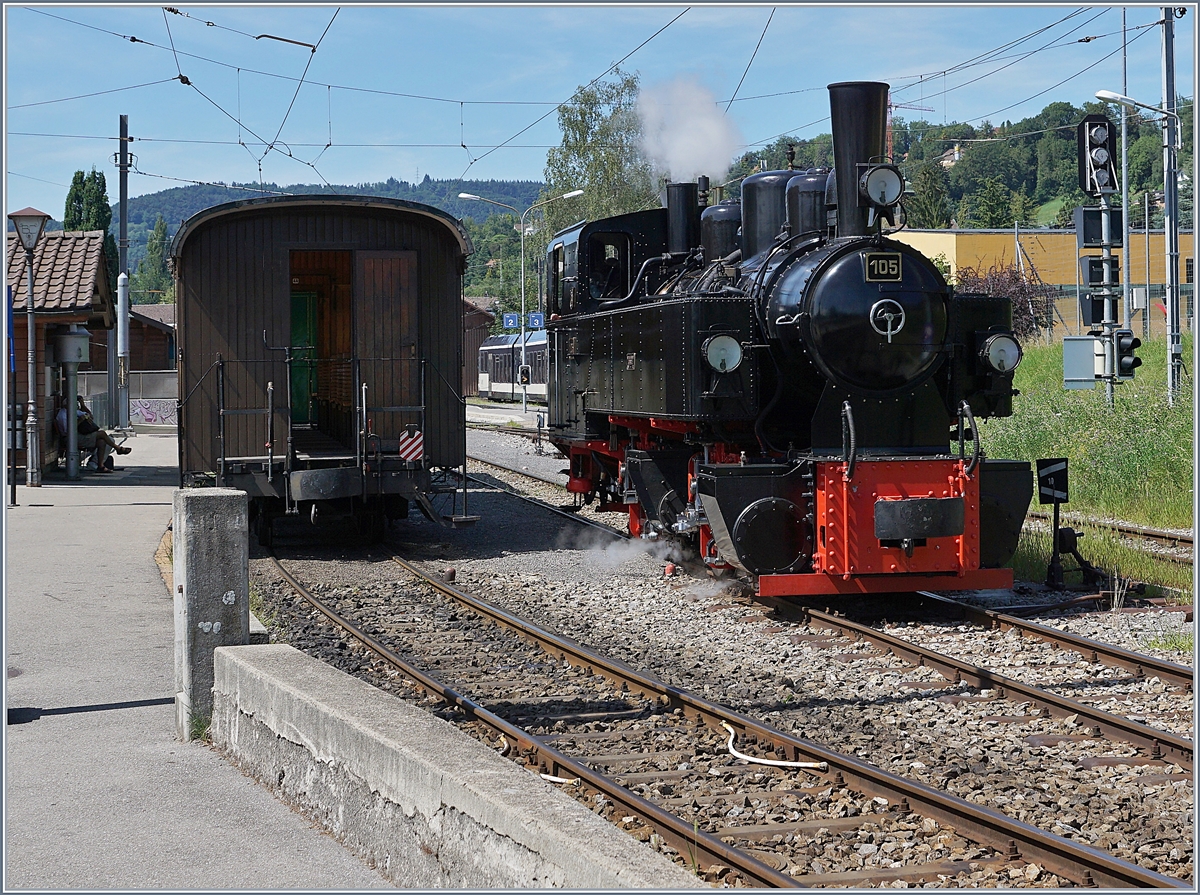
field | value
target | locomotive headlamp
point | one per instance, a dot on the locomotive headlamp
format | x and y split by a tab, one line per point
881	185
723	353
1001	353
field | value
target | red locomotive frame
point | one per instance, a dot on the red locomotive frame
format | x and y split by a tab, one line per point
847	556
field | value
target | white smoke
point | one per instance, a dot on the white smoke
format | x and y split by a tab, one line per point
684	132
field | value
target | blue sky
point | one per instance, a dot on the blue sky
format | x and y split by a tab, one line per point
490	71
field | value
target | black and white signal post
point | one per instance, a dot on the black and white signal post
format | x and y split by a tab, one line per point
1098	178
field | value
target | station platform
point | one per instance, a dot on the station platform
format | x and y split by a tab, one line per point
99	794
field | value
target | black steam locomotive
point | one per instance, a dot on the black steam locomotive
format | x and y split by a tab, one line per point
777	381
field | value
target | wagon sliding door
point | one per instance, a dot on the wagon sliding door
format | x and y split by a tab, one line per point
385	340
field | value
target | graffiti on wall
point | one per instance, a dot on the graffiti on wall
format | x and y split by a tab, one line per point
153	411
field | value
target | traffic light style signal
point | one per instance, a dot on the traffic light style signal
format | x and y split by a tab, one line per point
1097	147
524	373
1126	345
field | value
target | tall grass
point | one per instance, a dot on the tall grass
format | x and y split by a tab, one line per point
1132	461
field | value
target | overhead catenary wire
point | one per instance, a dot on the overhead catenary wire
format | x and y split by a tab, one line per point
751	62
300	84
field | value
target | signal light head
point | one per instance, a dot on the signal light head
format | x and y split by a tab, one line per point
1126	343
1098	134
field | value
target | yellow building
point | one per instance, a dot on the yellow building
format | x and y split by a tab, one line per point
1053	255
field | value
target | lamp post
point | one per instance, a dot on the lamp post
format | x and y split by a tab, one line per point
521	214
1171	234
29	224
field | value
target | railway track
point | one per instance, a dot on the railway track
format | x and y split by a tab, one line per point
1173	541
605	730
1111	683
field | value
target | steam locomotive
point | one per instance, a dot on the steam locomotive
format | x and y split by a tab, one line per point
779	383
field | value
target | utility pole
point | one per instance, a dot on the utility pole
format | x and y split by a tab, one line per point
118	378
1171	209
122	415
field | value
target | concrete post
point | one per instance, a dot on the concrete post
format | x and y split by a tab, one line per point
211	555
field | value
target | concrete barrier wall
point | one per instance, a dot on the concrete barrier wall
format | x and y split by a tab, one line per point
428	805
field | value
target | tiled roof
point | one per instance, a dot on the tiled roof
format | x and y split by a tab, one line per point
69	273
162	314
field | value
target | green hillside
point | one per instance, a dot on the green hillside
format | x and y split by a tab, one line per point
180	203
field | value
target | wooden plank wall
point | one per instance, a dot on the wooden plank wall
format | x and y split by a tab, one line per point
234	283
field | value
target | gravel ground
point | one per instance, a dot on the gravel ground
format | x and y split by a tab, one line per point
698	633
615	597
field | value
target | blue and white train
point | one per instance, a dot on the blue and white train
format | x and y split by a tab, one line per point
500	364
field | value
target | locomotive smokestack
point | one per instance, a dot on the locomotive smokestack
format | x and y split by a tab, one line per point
859	110
683	217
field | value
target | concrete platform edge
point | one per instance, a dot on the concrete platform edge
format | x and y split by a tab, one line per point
423	802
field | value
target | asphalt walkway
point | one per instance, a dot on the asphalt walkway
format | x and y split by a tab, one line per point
99	794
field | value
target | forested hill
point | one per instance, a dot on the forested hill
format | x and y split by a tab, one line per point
180	203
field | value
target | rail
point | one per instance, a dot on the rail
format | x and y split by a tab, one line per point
1072	860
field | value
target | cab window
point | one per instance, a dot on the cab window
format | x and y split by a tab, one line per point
608	265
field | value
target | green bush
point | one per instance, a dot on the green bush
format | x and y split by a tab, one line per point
1132	461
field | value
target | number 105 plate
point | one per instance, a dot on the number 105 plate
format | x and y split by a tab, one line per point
882	267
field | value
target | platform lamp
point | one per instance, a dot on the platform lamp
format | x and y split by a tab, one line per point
1171	141
571	195
29	224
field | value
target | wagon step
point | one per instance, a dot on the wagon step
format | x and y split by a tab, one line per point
450	521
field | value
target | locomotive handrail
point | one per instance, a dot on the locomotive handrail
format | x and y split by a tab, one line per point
849	441
964	409
656	259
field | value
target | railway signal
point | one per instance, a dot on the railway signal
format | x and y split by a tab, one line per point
1098	178
524	374
1097	150
1127	360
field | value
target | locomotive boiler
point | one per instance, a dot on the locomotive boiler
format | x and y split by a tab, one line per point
781	384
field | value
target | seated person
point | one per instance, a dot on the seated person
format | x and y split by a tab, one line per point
91	437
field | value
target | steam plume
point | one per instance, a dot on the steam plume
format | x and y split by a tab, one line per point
683	131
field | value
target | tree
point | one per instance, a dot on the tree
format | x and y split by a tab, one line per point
989	208
87	208
600	154
929	207
152	283
494	270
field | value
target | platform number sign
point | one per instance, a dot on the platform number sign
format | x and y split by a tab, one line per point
512	321
537	321
1052	480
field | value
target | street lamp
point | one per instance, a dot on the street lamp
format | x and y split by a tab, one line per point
1171	232
571	195
29	223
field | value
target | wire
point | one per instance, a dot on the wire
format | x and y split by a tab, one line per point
1060	83
751	62
585	87
134	170
172	40
38	179
300	84
177	12
67	99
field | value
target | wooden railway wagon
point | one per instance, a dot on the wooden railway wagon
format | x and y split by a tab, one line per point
320	357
